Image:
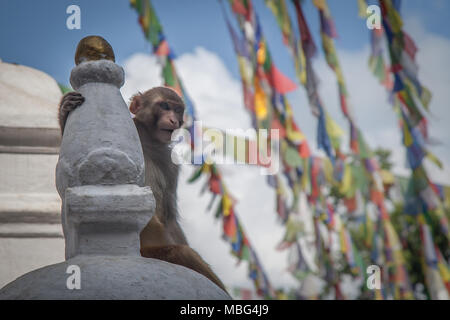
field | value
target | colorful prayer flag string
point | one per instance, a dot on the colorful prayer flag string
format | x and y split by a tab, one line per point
362	150
411	101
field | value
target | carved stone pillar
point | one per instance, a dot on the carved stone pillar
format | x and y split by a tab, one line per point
100	147
100	178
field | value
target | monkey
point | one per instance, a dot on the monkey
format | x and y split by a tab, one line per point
157	113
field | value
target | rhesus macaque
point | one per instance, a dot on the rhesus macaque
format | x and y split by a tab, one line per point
158	112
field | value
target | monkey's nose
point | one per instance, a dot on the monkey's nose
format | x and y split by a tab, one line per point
174	121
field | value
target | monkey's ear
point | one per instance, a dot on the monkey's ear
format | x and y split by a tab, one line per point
136	103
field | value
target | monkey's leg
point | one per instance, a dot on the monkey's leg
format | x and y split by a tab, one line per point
184	256
155	234
69	102
176	233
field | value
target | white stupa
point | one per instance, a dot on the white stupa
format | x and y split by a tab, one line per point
30	208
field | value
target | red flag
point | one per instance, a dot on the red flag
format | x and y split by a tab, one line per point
229	225
280	82
343	104
246	294
278	126
377	197
409	45
350	203
239	7
248	98
214	185
304	150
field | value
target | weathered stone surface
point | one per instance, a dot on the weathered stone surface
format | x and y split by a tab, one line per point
100	143
114	277
106	219
28	97
101	71
29	140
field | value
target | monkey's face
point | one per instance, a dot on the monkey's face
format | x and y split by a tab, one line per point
169	118
161	110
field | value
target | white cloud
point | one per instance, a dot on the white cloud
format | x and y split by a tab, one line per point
216	95
142	72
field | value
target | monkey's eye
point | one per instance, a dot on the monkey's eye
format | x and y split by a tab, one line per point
179	110
164	106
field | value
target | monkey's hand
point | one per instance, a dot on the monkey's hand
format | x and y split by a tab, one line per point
69	102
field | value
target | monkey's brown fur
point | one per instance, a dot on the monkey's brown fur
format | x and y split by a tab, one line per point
161	174
157	112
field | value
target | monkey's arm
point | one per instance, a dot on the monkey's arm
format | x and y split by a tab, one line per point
184	256
69	102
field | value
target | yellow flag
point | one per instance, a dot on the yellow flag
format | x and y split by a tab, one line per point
320	4
260	101
393	17
362	8
227	203
434	159
306	183
293	135
245	70
443	270
333	128
261	53
302	75
369	230
206	168
407	136
387	177
328	170
346	180
447	197
334	131
146	20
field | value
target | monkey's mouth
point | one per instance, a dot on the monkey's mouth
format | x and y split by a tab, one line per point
168	130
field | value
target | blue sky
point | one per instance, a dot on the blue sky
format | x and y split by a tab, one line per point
34	33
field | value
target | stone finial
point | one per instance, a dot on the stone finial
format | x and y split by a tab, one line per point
93	48
100	155
100	145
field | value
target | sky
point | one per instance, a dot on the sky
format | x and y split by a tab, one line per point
34	33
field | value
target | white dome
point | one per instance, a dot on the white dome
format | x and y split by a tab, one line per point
29	140
30	229
28	97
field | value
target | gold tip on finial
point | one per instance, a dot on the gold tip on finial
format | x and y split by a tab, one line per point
93	48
